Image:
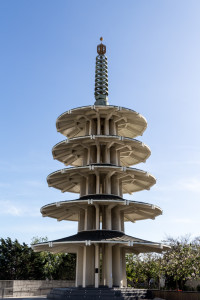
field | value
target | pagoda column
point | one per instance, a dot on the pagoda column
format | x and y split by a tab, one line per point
97	266
116	264
88	265
79	267
123	261
108	267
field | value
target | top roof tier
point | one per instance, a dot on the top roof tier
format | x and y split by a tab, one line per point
81	121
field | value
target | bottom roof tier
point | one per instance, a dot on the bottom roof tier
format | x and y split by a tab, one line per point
87	238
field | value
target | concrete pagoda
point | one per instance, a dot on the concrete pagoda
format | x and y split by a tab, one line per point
100	147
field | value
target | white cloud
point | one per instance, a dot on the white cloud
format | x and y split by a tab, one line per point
184	184
7	208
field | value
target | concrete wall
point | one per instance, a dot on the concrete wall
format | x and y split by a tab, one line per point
17	288
193	283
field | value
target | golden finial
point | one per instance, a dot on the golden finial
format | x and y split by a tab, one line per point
101	49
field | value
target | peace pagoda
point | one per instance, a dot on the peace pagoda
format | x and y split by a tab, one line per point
100	149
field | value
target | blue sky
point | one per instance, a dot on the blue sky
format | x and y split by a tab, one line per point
47	63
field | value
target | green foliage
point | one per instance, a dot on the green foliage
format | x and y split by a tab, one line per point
177	265
182	261
18	261
21	262
141	268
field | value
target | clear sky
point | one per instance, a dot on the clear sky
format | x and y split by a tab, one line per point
47	64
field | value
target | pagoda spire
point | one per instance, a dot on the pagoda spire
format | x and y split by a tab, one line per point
101	76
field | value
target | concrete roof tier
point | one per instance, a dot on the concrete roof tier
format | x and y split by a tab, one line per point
112	237
71	151
69	179
72	123
69	210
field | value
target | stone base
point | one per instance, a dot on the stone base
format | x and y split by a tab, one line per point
103	293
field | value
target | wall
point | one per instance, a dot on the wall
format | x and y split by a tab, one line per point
17	288
193	283
175	295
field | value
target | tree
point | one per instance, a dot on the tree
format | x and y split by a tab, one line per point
141	268
57	266
182	261
19	261
177	265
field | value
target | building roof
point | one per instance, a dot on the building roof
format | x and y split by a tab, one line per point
72	151
133	180
88	238
69	210
72	122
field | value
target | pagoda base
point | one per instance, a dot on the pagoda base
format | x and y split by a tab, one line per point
103	293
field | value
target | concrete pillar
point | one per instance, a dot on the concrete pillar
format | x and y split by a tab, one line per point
86	220
81	220
92	184
108	218
116	221
114	185
116	128
90	218
98	154
84	266
102	184
93	127
97	217
113	156
103	155
106	127
97	269
97	183
83	187
88	156
107	185
108	266
90	127
85	155
122	220
103	214
123	267
98	125
116	266
87	125
103	275
107	155
79	267
86	186
120	189
93	155
118	158
112	128
88	265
